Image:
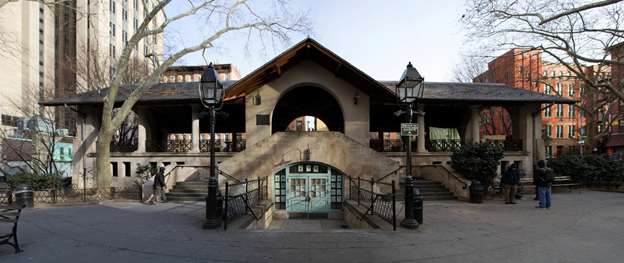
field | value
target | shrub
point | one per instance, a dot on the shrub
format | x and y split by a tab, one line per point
144	173
478	161
589	169
36	181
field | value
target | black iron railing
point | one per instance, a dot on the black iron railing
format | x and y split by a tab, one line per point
383	205
398	145
186	146
241	197
72	195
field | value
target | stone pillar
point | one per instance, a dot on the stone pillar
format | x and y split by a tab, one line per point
195	128
420	140
381	138
234	147
141	130
474	122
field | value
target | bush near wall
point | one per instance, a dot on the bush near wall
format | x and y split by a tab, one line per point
478	161
591	170
36	181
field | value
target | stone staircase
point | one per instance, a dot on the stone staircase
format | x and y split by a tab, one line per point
428	190
188	191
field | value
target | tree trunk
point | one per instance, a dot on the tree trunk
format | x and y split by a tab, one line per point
104	176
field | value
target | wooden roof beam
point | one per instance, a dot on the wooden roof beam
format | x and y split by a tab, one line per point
279	70
337	69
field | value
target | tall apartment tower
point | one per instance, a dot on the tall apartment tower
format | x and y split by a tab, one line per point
27	58
67	48
561	124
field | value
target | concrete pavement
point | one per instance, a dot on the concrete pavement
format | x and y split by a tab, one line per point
581	227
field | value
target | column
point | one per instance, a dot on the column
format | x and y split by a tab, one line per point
234	147
474	122
420	140
195	128
141	130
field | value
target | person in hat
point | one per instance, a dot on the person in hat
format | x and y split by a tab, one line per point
159	184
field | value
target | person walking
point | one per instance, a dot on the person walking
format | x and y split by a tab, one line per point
159	184
511	179
543	178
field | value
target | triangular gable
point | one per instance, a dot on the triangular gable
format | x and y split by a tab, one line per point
308	49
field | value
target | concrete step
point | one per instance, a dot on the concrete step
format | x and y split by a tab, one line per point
185	198
188	191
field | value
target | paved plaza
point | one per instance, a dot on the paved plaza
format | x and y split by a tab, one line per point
581	227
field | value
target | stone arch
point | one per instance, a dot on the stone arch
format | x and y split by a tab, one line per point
307	99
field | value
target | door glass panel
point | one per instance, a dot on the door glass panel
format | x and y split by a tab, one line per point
298	187
318	187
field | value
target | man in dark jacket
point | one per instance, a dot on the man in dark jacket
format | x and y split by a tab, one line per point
159	184
543	185
511	179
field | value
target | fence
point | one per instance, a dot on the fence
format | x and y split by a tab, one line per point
383	205
241	197
71	195
398	145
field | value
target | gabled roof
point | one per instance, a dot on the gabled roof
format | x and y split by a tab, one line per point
482	92
182	92
308	49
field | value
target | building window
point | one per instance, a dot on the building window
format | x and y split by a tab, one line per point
559	131
561	74
520	69
548	112
554	74
507	75
548	131
545	73
582	91
548	151
571	131
547	89
190	78
583	114
559	89
571	111
559	111
571	90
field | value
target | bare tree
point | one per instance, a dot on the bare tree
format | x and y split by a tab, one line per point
572	33
470	66
221	18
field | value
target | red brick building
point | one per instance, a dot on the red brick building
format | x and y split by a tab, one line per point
525	69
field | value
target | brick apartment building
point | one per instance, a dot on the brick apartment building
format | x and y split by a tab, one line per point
563	126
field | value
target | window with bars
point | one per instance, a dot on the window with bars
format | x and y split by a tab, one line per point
548	151
548	112
547	89
559	131
559	111
548	131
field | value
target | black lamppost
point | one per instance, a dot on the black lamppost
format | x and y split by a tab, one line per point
408	89
210	91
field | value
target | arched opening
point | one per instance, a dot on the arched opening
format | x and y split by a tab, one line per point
308	190
126	137
307	123
495	124
307	101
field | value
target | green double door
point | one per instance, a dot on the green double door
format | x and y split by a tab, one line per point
307	196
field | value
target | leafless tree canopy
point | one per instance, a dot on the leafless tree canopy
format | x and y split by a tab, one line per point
574	33
262	23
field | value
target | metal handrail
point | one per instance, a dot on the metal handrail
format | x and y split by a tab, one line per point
449	172
393	172
228	176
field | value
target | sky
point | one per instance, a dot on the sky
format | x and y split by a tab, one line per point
378	37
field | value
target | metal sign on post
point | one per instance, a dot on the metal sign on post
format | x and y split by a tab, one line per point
409	129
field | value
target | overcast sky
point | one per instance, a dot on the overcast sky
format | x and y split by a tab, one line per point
378	37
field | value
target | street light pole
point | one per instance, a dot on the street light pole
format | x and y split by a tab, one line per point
212	221
210	90
409	221
409	88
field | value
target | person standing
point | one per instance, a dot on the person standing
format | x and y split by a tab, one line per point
543	178
159	184
511	179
